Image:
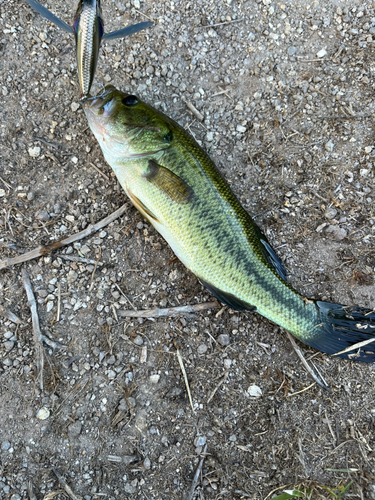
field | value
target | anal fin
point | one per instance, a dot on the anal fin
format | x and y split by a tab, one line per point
228	299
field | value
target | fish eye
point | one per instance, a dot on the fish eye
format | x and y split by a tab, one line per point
130	100
168	137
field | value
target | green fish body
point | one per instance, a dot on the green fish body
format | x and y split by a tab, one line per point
176	186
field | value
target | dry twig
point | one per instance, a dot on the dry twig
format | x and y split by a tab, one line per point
10	315
181	363
38	337
65	485
171	311
318	380
45	250
353	347
195	112
217	387
190	495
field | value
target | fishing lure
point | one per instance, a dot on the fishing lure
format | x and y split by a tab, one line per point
88	29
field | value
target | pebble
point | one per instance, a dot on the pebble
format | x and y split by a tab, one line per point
43	413
321	53
42	215
154	379
254	391
328	146
75	429
200	441
34	152
5	445
147	463
202	349
223	339
292	50
74	106
241	129
9	344
330	213
72	276
336	232
227	363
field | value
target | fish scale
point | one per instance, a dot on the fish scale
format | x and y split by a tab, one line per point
176	186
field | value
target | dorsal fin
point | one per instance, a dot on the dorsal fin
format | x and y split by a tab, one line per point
273	259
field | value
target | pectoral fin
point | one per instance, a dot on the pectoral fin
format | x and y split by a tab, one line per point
168	182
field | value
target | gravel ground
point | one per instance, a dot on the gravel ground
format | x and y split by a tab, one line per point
285	93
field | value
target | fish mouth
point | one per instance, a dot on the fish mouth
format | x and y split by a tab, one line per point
102	103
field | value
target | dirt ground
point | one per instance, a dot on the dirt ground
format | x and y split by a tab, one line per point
286	91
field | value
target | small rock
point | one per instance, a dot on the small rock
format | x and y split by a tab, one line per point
241	129
75	429
254	391
368	149
43	413
227	363
223	339
147	463
363	172
328	146
42	215
200	441
330	213
9	344
34	152
336	232
292	50
49	306
128	488
74	106
321	53
202	349
5	445
154	379
72	276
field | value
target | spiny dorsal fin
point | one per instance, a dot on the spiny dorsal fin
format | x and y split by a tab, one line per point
168	182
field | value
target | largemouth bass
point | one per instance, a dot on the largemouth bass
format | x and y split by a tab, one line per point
175	185
88	29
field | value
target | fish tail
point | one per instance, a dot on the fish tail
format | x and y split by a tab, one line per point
347	332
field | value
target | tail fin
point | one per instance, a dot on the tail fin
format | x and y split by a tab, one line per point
343	327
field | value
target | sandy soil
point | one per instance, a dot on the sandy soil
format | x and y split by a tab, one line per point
286	93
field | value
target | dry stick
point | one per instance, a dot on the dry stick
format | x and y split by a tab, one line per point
44	250
190	495
171	311
38	337
181	363
30	491
10	315
65	485
195	112
358	345
305	363
217	387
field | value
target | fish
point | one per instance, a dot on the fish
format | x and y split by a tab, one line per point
174	184
88	29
